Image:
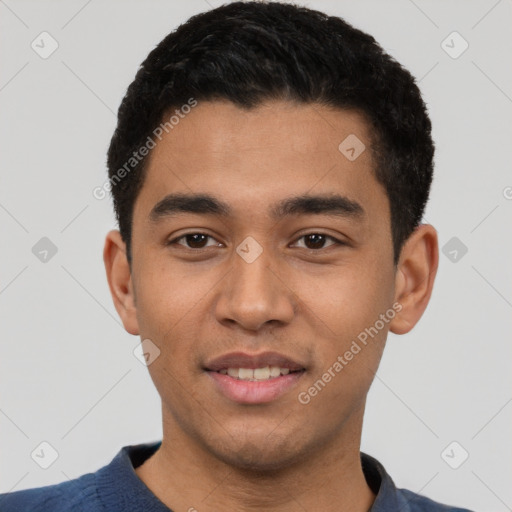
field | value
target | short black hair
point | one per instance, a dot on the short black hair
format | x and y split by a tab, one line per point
250	52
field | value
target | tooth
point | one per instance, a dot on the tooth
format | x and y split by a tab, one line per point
262	373
245	373
233	372
249	374
275	371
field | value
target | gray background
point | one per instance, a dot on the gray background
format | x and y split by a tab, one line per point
68	373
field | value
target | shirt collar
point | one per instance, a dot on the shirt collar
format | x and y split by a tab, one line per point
118	484
387	497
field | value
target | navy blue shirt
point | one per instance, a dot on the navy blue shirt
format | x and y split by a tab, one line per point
117	488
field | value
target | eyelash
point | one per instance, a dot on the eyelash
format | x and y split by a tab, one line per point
335	240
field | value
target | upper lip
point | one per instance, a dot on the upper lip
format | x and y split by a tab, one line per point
252	361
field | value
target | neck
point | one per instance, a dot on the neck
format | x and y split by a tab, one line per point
186	477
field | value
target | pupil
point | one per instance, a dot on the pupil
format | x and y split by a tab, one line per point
318	240
315	240
191	239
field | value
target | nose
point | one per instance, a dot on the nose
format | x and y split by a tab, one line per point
255	293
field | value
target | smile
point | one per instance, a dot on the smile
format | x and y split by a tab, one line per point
254	379
256	374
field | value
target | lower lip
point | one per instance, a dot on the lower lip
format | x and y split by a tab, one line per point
254	392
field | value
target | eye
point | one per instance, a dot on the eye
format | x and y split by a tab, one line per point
192	240
312	241
315	241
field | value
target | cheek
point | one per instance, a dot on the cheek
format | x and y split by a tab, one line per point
167	297
168	304
345	300
349	332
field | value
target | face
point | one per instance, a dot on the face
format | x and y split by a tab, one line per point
280	268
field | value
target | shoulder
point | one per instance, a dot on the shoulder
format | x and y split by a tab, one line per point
75	495
114	486
390	498
418	503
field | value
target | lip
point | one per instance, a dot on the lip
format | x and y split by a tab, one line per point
253	392
252	361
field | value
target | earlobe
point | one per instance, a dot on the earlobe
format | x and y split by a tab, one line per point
120	280
415	276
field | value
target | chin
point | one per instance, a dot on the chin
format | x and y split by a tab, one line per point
258	455
254	461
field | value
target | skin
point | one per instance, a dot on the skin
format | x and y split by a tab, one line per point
306	301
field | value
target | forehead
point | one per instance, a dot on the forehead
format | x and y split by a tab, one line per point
256	157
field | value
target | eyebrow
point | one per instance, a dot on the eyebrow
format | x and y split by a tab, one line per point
205	204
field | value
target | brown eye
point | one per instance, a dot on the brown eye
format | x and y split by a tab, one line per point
315	241
192	240
196	241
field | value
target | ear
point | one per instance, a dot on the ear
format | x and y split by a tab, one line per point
415	274
120	280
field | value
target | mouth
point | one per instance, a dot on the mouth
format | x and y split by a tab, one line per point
254	379
256	374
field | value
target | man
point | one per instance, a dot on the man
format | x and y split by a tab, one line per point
269	172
